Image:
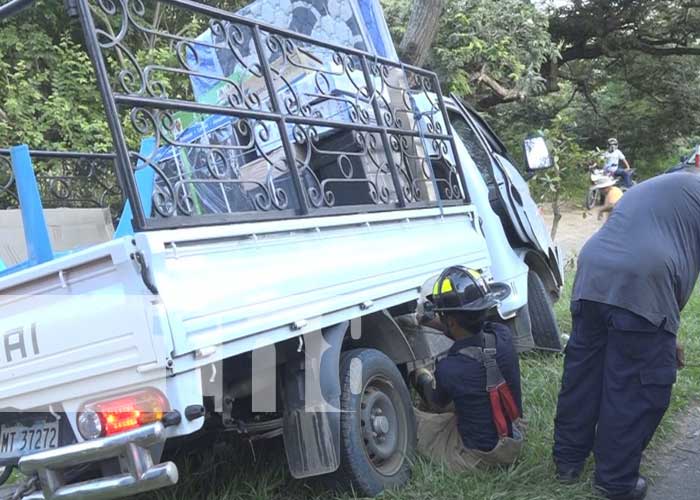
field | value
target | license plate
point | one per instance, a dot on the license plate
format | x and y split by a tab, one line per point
20	440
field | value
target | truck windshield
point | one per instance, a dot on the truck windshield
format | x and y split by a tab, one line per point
474	146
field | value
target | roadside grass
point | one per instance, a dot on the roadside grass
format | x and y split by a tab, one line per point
229	471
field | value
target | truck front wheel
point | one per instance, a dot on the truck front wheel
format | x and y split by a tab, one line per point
545	330
378	428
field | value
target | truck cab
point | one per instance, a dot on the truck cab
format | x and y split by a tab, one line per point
528	259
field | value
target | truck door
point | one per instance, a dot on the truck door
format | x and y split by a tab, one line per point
524	206
508	191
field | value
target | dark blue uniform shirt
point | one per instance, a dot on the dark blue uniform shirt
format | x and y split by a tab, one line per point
646	258
462	380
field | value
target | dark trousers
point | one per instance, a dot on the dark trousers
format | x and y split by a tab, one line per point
626	176
616	387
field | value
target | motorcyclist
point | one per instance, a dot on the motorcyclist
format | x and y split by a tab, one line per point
613	156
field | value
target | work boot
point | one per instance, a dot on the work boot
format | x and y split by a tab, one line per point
637	493
569	474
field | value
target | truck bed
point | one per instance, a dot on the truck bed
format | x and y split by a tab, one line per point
86	323
231	289
75	326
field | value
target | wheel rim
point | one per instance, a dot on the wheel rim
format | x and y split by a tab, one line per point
383	426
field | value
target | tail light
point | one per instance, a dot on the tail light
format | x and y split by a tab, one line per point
697	159
112	416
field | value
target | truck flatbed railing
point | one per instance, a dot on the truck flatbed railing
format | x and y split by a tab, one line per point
67	179
253	122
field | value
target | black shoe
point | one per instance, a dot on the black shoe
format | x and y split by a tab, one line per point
637	493
569	474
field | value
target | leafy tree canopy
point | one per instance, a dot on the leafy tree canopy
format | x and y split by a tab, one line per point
587	69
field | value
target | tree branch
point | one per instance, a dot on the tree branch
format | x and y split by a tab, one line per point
667	51
499	89
589	98
501	94
581	51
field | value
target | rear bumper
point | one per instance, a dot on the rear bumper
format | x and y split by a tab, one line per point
141	474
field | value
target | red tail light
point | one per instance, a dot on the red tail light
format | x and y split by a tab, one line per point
126	412
697	159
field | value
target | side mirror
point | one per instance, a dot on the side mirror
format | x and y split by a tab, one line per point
684	158
536	154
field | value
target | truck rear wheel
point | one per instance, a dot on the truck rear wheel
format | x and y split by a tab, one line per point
378	428
545	330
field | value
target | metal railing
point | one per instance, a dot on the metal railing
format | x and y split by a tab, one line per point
252	122
67	179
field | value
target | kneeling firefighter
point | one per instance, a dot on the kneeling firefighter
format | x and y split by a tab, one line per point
480	375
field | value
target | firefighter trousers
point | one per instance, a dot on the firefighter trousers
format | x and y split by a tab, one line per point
439	439
618	373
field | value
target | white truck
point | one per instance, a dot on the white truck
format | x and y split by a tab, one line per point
265	274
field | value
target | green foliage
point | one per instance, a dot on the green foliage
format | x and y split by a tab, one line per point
569	177
48	93
506	40
508	43
48	97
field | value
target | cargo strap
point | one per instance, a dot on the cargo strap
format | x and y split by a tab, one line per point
503	406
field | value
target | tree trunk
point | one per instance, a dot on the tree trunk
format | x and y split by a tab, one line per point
556	210
556	203
421	31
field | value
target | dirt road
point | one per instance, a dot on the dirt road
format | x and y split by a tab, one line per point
575	227
678	462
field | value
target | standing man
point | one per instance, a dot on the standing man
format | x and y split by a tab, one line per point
622	356
611	195
613	157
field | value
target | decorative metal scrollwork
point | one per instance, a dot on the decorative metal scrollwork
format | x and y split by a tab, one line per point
67	180
249	118
8	194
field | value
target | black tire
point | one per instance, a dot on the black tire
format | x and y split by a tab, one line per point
5	473
372	464
545	330
590	199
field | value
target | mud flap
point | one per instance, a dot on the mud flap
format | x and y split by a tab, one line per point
311	422
522	331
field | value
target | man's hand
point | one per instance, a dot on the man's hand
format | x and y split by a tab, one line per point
600	214
421	377
680	356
